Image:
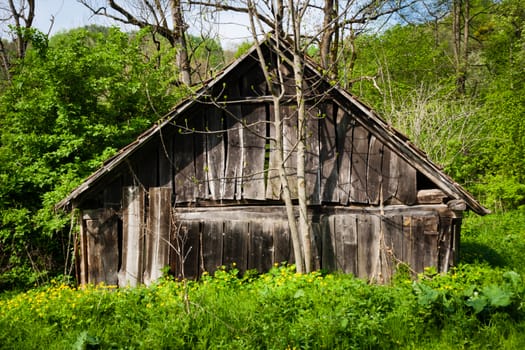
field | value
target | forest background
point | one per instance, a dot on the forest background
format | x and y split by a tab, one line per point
449	74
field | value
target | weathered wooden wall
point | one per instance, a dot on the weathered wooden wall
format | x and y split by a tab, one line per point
367	242
228	155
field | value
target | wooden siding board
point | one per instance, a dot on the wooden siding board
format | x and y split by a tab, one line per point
260	246
328	154
445	253
289	116
345	126
157	238
329	244
430	241
235	244
393	239
358	174
407	189
133	226
102	247
312	164
390	175
282	242
273	183
254	142
234	155
373	171
368	245
185	177
211	251
84	268
347	225
317	245
165	153
201	180
215	153
185	252
399	179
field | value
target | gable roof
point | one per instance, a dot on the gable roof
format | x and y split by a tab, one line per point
396	141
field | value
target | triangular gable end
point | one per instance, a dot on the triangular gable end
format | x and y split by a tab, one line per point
241	92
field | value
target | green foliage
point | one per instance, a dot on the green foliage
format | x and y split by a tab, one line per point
243	48
479	138
66	110
471	306
496	239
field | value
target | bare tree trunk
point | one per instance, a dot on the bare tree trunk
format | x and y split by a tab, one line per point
292	224
304	225
460	48
277	91
179	40
329	38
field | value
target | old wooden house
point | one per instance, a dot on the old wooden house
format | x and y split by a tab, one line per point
200	188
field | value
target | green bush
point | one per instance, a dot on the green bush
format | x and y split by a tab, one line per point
474	306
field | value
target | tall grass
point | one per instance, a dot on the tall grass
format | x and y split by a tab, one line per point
478	305
474	306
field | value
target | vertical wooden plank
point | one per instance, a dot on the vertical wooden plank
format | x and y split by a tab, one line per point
235	244
345	127
260	246
200	181
390	175
418	243
185	244
348	227
335	226
393	239
212	233
328	154
254	142
317	245
408	241
328	257
312	165
399	179
430	241
368	246
133	225
84	272
234	156
215	149
407	189
359	165
289	116
281	241
445	244
456	240
373	170
157	239
185	178
375	250
165	161
102	246
273	183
